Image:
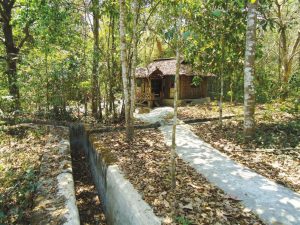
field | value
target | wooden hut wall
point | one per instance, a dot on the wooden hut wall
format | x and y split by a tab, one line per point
204	87
189	91
186	89
167	85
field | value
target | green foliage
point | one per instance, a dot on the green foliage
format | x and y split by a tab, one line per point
6	102
55	64
183	221
197	80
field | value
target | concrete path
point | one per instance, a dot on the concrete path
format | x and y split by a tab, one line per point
273	203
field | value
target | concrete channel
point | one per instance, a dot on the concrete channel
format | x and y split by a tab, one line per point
122	204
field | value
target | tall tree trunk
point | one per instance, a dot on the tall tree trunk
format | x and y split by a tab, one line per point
110	67
109	87
95	69
12	52
134	56
289	59
113	75
249	71
12	49
279	61
11	60
222	82
125	78
173	150
85	70
47	79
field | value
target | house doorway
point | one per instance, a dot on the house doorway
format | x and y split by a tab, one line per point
156	88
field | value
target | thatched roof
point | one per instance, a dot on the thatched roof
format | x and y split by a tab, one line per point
166	67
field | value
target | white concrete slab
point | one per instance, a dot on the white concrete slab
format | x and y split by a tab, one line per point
156	115
273	203
125	205
66	187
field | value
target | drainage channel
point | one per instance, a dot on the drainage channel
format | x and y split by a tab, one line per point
120	202
87	200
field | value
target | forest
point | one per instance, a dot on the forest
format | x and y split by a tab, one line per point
195	102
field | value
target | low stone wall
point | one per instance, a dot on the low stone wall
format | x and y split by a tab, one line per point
55	201
121	202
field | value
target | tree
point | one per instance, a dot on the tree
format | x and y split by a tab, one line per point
12	48
96	98
176	85
284	13
136	7
112	65
249	71
125	73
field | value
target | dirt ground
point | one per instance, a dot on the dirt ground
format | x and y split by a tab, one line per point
145	163
20	154
22	151
209	110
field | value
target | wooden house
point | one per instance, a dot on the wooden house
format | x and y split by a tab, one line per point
155	83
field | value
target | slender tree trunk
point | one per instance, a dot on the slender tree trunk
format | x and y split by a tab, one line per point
85	105
289	59
176	90
173	150
109	71
134	57
106	102
249	72
47	79
84	57
222	83
110	67
279	62
231	87
95	69
99	99
113	77
125	78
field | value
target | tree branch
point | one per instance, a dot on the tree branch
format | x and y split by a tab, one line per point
2	13
296	44
27	35
11	3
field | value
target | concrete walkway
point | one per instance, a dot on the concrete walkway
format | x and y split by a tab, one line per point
273	203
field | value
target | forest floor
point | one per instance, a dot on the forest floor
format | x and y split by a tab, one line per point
145	163
23	150
275	150
209	110
274	153
20	156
